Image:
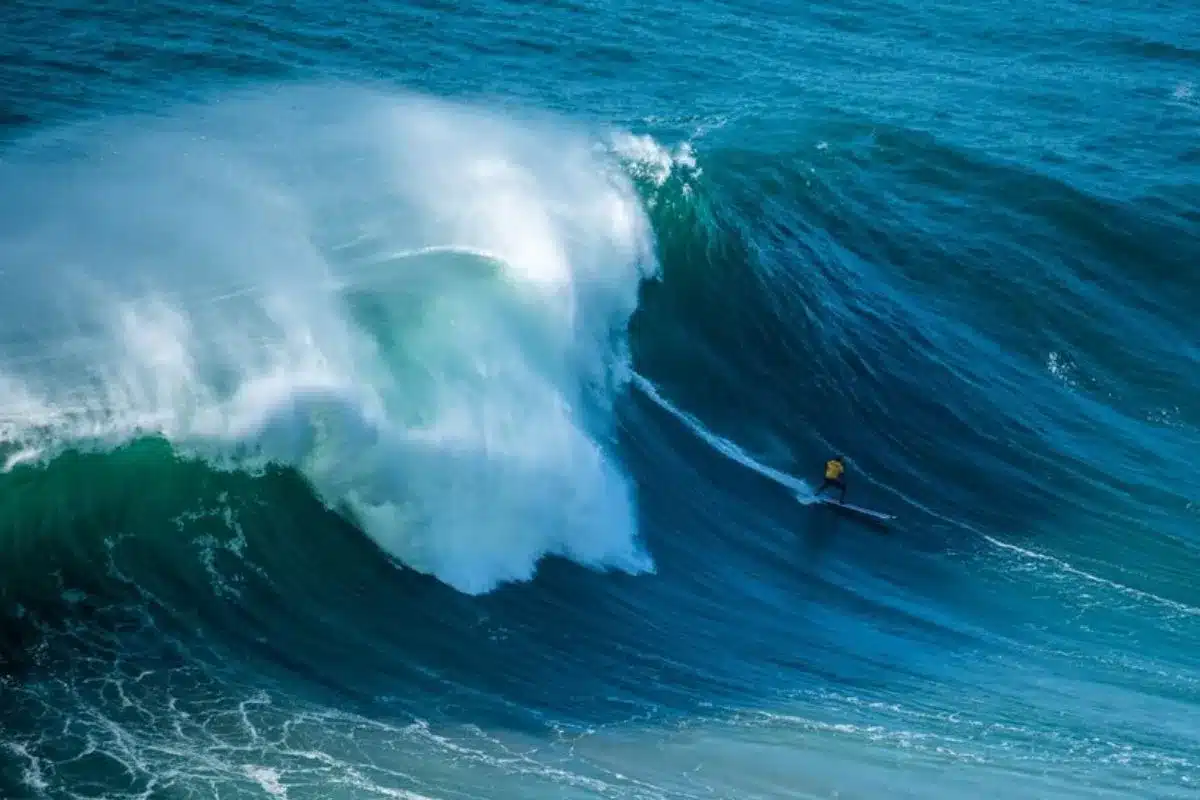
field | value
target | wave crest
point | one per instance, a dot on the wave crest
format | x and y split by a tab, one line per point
421	306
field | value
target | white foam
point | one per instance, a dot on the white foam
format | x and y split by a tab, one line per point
1064	567
267	778
420	306
648	159
724	446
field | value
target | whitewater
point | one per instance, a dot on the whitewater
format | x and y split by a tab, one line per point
407	304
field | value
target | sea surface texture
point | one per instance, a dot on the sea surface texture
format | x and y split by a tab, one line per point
427	400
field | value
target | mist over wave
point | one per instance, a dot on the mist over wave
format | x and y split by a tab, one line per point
401	298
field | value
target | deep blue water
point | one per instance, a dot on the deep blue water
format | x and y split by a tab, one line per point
426	400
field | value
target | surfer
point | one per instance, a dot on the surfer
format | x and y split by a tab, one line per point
834	468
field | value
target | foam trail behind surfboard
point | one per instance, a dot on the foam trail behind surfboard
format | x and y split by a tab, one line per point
724	446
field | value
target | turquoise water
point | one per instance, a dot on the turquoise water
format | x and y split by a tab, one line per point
427	401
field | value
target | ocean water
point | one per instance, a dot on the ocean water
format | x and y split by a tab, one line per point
426	400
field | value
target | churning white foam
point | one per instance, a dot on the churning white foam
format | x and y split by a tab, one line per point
421	306
650	160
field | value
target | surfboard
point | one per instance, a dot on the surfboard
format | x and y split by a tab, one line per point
853	509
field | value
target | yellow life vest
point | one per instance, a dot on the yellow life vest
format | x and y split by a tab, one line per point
834	469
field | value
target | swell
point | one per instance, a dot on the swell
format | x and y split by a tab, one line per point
227	439
243	435
776	327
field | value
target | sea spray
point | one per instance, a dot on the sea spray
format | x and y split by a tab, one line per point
420	306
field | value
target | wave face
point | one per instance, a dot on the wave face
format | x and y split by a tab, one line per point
362	442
